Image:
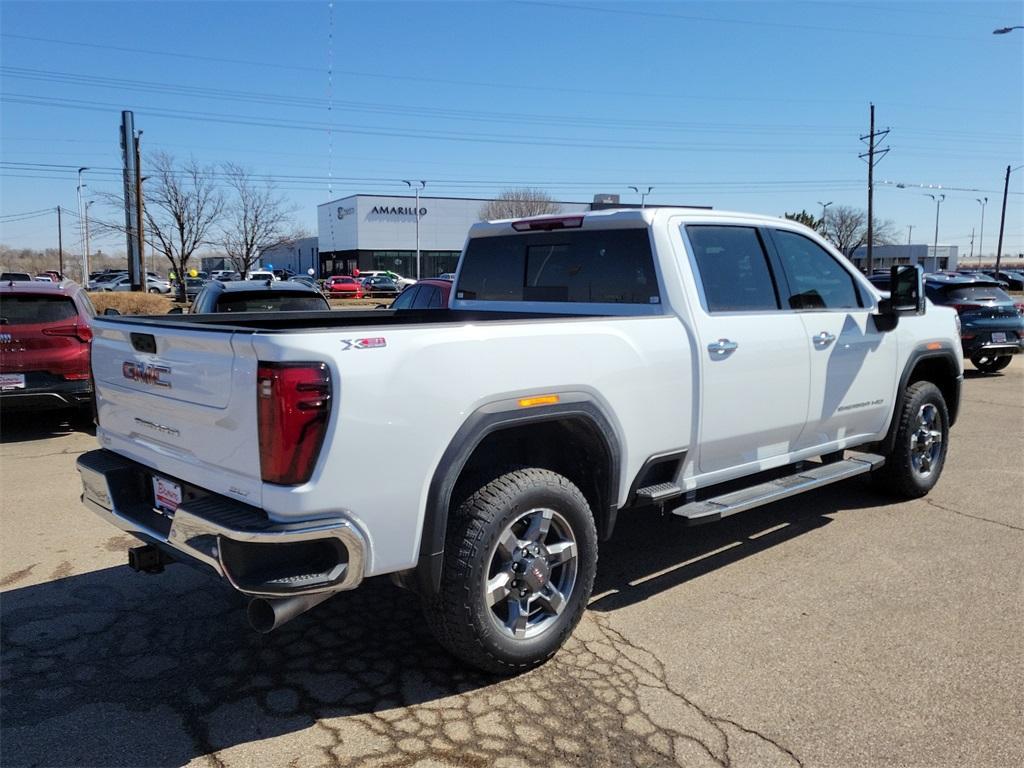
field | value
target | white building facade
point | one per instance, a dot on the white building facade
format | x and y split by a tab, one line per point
930	258
378	232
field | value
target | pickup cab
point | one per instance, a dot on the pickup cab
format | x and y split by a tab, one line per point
696	362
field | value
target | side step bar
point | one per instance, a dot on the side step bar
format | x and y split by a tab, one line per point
815	476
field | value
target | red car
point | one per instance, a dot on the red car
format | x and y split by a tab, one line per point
342	286
44	347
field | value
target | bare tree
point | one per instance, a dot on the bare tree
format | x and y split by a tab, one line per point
519	203
847	229
182	206
256	218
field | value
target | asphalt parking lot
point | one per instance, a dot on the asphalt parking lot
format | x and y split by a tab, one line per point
835	629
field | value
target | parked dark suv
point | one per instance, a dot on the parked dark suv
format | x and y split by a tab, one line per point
258	296
44	347
992	325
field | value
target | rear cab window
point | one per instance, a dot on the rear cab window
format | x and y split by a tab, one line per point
34	309
599	266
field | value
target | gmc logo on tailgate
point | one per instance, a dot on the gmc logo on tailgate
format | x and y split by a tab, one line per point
145	374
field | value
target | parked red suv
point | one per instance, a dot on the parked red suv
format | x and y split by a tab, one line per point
44	347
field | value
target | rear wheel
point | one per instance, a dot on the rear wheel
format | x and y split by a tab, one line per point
991	363
519	565
919	454
154	290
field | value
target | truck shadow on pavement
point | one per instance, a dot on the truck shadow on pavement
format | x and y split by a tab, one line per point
113	668
22	427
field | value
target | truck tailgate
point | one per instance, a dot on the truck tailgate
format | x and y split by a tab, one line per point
180	401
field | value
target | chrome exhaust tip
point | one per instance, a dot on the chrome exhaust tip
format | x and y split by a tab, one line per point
268	613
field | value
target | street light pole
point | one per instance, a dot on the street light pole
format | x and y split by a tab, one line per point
1002	218
938	202
643	195
823	207
910	231
981	235
87	204
421	185
81	230
1005	30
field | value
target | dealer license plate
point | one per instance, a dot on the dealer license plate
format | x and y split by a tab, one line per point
12	380
166	495
999	337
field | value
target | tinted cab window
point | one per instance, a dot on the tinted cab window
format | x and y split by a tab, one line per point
733	267
612	266
816	279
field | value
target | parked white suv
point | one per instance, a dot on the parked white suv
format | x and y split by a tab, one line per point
696	361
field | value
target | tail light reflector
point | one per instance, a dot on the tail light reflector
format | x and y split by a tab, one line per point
81	331
293	408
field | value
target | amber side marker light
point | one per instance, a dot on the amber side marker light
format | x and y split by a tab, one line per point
533	402
935	345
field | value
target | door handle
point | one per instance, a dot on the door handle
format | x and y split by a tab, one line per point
823	339
722	347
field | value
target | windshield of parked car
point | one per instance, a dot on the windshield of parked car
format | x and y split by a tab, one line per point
28	310
271	301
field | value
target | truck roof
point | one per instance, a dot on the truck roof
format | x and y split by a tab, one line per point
616	218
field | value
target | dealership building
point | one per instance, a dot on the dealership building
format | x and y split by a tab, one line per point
931	258
378	232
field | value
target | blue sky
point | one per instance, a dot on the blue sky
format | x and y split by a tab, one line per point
752	106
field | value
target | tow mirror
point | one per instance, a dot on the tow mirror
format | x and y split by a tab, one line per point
906	295
109	311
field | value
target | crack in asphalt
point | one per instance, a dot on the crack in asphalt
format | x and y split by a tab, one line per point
358	682
932	503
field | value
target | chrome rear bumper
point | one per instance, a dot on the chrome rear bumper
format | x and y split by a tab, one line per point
257	556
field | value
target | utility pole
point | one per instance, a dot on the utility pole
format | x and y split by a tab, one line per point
823	207
910	231
60	245
873	150
981	235
422	185
1002	218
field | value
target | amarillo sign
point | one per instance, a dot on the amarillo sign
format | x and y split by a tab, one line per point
396	210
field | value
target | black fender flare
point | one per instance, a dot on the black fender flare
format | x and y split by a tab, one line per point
923	352
486	421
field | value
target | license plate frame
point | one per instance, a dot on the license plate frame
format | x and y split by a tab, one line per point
10	381
167	495
998	337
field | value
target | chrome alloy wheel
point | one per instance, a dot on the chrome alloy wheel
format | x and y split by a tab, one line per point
531	573
926	440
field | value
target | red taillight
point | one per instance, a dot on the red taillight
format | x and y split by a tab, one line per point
81	331
561	222
293	408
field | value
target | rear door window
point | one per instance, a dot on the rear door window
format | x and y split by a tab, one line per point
405	299
816	279
424	297
32	310
733	267
611	266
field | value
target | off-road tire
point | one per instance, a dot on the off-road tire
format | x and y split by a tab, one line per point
989	364
459	614
900	476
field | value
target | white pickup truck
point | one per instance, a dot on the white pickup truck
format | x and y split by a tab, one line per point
696	361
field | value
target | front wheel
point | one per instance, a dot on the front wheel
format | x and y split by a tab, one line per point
989	363
915	463
519	564
154	290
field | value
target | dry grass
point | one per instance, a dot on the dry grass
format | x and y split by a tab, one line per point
130	303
